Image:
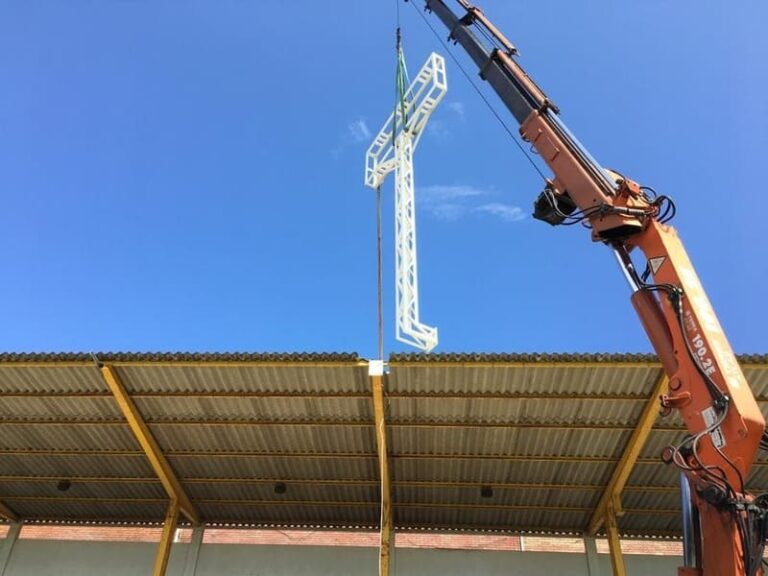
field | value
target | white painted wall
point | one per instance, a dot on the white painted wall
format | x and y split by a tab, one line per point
61	558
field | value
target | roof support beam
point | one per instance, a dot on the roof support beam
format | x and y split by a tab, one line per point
166	539
614	543
7	513
148	443
7	544
628	459
593	564
193	552
376	374
213	480
426	425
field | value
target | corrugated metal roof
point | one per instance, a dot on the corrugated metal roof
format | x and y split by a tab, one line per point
51	464
501	470
303	467
544	431
115	511
544	358
177	357
227	438
271	514
239	409
502	442
518	358
294	491
563	520
222	377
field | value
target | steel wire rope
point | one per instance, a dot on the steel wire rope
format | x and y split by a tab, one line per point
379	278
379	266
479	92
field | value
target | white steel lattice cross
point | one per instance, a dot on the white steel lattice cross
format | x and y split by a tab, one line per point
384	156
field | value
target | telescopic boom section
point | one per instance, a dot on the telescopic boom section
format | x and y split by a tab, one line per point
706	384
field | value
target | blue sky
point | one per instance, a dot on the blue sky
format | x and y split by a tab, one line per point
188	175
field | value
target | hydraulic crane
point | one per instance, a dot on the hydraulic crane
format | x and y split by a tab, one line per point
706	385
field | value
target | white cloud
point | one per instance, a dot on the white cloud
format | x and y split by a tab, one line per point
505	212
443	193
457	108
359	130
357	133
438	129
447	202
450	203
448	212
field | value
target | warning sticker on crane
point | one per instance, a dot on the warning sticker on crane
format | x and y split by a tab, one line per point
655	263
716	435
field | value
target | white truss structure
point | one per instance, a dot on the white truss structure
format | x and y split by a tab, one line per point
384	156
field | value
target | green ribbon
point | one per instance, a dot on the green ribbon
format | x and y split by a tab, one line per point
401	85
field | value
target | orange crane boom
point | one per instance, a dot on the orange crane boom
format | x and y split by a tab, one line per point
706	385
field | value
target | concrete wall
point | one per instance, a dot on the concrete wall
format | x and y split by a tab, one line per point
66	558
60	558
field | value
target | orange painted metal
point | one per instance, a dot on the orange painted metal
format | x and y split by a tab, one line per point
721	552
731	447
744	423
477	13
573	178
686	333
737	439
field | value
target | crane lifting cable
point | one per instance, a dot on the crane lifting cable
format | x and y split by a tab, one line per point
392	150
401	82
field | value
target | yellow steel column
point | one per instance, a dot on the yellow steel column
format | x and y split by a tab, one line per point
164	548
148	443
376	370
629	457
614	544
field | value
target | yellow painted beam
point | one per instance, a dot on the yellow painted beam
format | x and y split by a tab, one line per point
340	504
385	544
349	482
614	543
166	539
256	395
303	395
630	456
7	513
321	455
341	424
149	444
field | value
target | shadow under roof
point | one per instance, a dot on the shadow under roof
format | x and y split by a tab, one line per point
544	432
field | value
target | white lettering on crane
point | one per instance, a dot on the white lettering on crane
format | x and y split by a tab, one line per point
715	345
